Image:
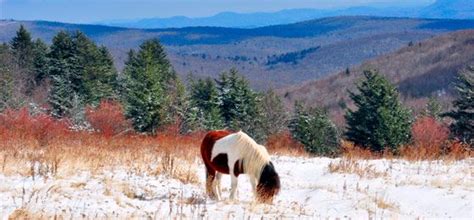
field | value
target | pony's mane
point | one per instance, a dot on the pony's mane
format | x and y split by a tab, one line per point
254	156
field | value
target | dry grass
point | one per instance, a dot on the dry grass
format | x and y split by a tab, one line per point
41	146
283	144
73	152
448	151
356	167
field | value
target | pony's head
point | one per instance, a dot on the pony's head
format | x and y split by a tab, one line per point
268	185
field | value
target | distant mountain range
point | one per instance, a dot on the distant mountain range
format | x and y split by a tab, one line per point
446	9
271	56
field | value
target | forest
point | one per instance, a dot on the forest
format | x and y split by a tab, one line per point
74	80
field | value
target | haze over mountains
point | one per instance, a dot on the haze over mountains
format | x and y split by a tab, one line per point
446	9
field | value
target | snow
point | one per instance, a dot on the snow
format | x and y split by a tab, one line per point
388	189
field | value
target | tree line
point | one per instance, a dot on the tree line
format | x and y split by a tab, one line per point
73	72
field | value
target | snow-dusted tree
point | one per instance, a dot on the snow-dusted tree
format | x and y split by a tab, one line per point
240	105
204	107
63	68
463	114
22	48
313	128
380	120
433	108
12	83
77	66
148	75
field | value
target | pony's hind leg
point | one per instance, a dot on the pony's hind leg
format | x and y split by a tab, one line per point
233	186
217	185
210	177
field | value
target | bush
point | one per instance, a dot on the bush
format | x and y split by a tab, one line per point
41	127
313	128
428	132
429	138
108	118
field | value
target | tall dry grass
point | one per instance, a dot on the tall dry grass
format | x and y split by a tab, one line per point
42	146
39	145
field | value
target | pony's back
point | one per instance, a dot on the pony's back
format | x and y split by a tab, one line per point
240	146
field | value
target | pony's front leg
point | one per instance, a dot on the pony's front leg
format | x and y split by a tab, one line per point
253	183
233	186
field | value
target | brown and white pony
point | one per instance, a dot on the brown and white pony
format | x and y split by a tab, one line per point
225	152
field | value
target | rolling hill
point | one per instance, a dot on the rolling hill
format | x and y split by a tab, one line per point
446	9
271	56
424	69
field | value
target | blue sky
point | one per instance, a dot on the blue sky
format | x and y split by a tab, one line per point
86	11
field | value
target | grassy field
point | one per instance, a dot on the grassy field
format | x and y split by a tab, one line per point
48	171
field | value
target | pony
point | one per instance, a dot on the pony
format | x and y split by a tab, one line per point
224	152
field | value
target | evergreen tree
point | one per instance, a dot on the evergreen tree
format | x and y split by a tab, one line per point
204	113
22	48
77	65
148	75
100	77
463	114
40	62
313	128
96	78
63	68
380	120
61	96
6	80
240	106
433	108
275	118
28	55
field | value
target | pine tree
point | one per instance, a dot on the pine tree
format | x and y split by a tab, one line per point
463	114
433	108
61	96
100	77
240	105
313	128
275	117
148	75
380	120
40	61
77	65
63	68
25	54
97	77
204	112
22	48
7	77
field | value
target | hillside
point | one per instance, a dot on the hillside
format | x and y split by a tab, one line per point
461	9
206	51
423	69
448	9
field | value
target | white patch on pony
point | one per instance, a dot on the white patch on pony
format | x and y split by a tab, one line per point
239	146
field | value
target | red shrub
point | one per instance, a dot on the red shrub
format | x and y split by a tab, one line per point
429	137
42	127
427	132
108	118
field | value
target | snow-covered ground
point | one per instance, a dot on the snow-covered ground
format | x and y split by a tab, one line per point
311	188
